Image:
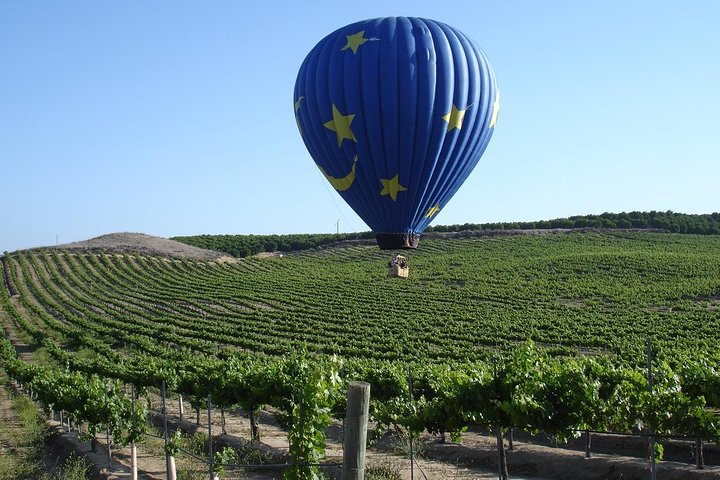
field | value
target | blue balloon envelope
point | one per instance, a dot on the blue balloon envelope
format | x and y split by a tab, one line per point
396	113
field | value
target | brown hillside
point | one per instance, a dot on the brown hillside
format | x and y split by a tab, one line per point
142	244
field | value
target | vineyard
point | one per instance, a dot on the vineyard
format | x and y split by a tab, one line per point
538	332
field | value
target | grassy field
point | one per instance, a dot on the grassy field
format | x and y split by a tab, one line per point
465	298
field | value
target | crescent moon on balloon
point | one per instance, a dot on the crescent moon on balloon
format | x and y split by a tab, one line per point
343	183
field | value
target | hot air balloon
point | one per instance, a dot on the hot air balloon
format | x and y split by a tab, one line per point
396	113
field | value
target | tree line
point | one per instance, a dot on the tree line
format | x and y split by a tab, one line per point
248	245
701	224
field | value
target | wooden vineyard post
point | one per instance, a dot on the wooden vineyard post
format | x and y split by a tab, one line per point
182	408
211	474
107	436
588	443
412	446
356	419
699	460
502	459
170	472
165	433
133	447
651	437
254	429
172	475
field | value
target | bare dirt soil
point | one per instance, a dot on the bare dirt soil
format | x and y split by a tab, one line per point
532	458
140	243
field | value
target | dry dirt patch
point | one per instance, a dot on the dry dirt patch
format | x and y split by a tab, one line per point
143	244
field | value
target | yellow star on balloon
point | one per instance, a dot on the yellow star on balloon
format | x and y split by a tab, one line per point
354	41
391	186
297	103
496	109
432	211
454	118
340	124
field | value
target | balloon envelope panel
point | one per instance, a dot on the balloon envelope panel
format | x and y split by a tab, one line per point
396	113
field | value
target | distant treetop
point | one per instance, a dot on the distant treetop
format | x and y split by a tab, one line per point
248	245
704	224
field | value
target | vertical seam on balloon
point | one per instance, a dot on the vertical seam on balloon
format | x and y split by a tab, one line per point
417	218
423	199
409	214
364	199
450	174
445	174
371	161
381	162
399	213
432	127
383	204
420	195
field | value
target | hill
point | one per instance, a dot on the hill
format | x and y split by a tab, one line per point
142	244
465	297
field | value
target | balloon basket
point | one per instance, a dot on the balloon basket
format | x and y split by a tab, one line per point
398	267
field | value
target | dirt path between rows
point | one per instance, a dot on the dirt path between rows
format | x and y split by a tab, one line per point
475	457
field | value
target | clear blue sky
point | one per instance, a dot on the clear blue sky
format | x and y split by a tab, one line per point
176	117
